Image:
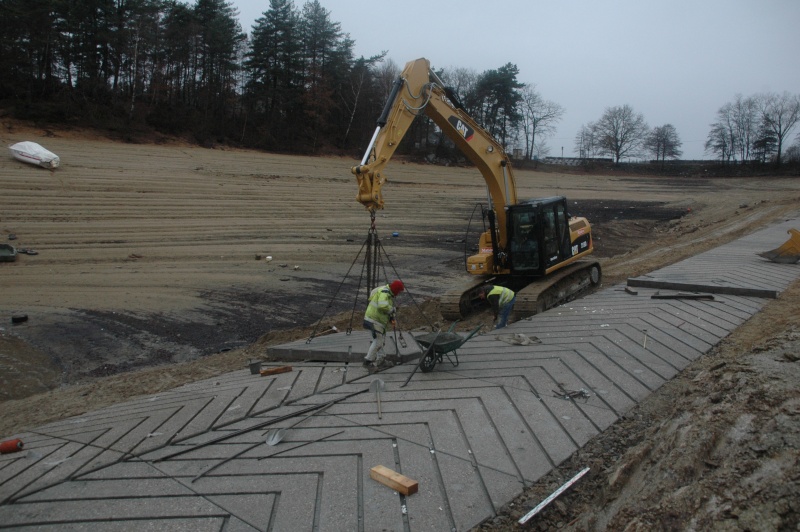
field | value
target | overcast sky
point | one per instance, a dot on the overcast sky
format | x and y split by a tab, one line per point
674	61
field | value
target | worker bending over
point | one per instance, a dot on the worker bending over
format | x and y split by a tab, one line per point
380	311
501	300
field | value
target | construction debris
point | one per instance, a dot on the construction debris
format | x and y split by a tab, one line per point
11	446
518	339
571	395
682	295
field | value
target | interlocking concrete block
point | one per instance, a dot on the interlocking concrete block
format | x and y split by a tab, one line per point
472	435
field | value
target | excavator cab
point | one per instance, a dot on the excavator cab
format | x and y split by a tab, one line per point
540	237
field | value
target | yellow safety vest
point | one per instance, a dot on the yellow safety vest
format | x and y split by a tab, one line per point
506	295
381	304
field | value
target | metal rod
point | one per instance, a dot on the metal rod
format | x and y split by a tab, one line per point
371	144
505	181
435	78
225	461
550	499
302	445
258	426
308	416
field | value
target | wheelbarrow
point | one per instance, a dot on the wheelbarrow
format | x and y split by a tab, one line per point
445	345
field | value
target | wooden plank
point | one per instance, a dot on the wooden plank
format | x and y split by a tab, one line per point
394	480
275	371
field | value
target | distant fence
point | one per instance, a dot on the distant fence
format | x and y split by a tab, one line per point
576	161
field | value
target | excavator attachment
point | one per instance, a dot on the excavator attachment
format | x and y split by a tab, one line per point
788	252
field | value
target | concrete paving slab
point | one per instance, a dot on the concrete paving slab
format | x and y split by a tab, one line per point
200	524
465	490
66	512
430	508
734	268
343	347
473	435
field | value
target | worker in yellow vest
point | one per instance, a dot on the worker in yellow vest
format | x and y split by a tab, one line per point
380	311
501	300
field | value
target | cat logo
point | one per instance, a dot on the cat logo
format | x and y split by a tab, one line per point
463	129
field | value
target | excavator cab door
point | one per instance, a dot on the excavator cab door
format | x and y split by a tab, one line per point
525	239
556	232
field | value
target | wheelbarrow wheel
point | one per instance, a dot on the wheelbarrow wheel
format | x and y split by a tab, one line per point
428	362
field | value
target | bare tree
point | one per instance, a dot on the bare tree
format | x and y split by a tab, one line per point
539	118
620	132
387	73
718	142
664	143
744	124
793	153
779	115
723	137
461	80
585	141
358	79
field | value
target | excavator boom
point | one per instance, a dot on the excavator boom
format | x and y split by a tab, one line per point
418	91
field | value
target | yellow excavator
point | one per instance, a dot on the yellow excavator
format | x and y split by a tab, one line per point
533	247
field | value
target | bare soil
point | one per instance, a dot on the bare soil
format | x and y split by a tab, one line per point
152	271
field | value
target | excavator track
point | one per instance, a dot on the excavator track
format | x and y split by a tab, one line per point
560	287
459	303
534	294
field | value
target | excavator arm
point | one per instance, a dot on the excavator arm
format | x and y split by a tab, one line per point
418	90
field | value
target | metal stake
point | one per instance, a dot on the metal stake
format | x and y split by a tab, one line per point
378	386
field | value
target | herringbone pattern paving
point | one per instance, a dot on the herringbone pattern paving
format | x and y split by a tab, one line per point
473	436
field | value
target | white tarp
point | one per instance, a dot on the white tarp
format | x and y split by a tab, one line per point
33	153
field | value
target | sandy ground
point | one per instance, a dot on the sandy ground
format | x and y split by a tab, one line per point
147	277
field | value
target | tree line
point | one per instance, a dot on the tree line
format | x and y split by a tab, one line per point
755	128
751	129
293	84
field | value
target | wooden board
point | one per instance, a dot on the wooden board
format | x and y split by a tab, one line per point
275	371
394	480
